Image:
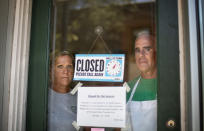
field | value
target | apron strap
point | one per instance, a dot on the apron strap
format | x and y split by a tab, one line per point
134	89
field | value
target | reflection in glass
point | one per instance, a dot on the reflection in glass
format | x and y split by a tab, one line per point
121	20
102	27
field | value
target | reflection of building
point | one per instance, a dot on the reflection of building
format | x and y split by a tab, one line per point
16	57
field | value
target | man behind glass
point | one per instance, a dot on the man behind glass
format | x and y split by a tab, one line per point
142	99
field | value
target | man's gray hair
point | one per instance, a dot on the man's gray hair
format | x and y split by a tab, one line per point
143	33
147	34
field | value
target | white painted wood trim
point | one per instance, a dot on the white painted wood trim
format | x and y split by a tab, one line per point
17	94
195	108
189	72
182	65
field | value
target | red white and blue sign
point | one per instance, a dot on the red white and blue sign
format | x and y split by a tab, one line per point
99	67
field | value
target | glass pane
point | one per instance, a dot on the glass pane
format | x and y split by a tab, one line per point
101	27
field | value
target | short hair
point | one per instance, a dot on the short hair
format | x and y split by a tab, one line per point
54	55
144	33
148	34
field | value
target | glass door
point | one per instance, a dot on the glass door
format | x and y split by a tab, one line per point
104	27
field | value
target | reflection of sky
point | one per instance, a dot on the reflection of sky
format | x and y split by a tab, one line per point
83	4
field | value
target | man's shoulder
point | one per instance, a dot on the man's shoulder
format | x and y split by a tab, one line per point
132	82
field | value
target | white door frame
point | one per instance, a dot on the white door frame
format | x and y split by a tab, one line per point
16	65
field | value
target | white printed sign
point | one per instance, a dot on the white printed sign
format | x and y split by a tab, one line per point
99	67
101	106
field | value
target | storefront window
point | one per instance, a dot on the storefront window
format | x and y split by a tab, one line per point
96	27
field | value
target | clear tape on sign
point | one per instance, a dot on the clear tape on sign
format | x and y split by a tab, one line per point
74	123
76	88
126	86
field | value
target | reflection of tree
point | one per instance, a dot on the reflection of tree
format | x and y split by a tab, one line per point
78	28
77	20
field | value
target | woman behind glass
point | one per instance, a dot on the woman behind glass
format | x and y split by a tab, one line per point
61	104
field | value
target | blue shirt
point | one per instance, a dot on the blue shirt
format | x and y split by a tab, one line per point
62	110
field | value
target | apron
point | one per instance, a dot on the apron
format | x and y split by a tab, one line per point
141	115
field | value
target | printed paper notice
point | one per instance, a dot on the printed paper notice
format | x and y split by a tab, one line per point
101	106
